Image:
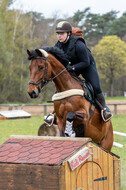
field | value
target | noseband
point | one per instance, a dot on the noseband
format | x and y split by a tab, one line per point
44	81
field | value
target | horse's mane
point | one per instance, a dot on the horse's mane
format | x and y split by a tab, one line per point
62	57
58	54
55	51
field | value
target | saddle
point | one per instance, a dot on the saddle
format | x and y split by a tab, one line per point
89	95
87	88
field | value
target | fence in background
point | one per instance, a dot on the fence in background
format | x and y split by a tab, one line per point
44	109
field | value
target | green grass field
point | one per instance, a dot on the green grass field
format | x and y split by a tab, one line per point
119	124
30	127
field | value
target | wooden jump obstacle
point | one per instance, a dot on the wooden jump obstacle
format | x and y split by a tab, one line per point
57	163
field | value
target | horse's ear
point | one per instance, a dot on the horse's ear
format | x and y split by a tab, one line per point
41	52
29	52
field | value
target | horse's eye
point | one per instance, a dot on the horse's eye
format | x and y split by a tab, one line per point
41	67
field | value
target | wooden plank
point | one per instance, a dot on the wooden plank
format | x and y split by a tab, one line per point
90	176
116	174
73	179
14	114
90	169
50	138
106	169
95	167
100	162
61	177
67	176
78	177
85	175
30	177
110	174
82	174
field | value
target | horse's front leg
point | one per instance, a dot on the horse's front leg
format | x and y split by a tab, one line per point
61	126
80	119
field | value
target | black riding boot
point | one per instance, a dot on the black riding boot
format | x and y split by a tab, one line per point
105	112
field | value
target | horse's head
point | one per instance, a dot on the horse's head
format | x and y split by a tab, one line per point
38	71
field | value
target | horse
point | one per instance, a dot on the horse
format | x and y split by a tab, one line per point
46	66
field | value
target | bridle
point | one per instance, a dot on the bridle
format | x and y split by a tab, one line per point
43	82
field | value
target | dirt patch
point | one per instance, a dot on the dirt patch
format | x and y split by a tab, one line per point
40	109
118	107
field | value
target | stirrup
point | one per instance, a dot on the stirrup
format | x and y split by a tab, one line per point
106	115
49	119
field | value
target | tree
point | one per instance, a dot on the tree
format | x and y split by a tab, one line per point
20	31
80	16
118	27
110	56
96	26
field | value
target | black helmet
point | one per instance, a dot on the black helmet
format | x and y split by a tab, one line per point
63	26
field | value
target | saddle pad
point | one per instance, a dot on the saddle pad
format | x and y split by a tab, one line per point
67	93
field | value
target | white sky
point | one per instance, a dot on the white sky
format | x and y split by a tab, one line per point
69	7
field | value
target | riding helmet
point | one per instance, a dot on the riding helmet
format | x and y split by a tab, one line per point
63	26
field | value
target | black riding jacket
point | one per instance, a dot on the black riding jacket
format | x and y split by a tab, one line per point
78	53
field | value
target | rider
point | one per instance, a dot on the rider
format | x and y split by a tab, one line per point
82	62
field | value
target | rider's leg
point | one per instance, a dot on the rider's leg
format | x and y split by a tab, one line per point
91	75
105	113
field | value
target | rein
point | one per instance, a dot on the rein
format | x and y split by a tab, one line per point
44	81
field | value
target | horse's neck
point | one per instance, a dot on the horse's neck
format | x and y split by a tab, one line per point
63	81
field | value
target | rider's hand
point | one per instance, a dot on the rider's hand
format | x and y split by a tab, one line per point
70	68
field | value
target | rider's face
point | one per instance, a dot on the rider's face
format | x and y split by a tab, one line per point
62	36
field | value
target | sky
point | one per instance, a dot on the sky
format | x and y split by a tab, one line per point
66	8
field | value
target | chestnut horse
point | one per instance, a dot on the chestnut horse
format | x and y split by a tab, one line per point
45	67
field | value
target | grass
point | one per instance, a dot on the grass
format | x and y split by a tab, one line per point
30	127
116	98
119	124
19	127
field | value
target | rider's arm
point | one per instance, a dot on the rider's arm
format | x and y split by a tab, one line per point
82	54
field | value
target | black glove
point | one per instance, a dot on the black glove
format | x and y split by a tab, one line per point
70	68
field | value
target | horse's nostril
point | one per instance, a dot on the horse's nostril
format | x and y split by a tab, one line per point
32	94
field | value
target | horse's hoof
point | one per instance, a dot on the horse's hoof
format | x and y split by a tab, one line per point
71	116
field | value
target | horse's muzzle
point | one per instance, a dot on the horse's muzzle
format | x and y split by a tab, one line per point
33	94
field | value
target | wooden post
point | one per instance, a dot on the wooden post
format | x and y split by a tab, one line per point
45	109
115	109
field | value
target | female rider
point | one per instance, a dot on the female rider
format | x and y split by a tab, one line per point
82	62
